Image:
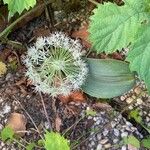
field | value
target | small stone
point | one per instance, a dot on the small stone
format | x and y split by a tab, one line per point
105	132
147	119
139	101
115	141
128	123
6	109
113	124
107	145
123	148
130	107
99	136
137	90
116	132
129	100
124	134
122	98
103	141
99	147
92	143
8	76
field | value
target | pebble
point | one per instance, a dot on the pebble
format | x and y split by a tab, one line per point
105	132
123	148
116	132
115	141
124	134
129	100
139	101
103	141
99	147
107	145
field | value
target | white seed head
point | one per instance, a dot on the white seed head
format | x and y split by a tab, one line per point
55	65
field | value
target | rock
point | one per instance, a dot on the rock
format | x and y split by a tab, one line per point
139	101
99	147
18	123
129	100
103	141
124	134
123	148
116	132
107	145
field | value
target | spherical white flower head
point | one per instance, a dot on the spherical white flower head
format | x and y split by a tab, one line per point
55	65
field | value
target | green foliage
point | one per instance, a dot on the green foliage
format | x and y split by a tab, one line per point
132	140
146	142
139	56
113	27
30	146
19	6
135	115
108	78
54	141
7	133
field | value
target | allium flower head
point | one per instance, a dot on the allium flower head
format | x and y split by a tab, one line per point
55	65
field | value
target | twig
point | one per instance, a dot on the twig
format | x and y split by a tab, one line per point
10	27
94	2
46	114
49	15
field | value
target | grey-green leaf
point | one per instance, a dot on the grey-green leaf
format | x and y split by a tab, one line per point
108	78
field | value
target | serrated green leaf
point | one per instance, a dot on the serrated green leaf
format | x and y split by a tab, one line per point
108	78
54	141
7	133
146	143
113	27
132	140
135	115
30	146
139	55
18	6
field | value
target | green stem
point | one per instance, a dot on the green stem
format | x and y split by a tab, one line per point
11	26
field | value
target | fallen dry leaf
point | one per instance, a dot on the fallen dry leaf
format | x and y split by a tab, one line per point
76	96
131	147
58	123
18	123
83	35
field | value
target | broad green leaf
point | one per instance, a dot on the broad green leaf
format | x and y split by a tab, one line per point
146	143
7	133
135	115
108	78
18	6
54	141
132	140
30	146
113	27
139	55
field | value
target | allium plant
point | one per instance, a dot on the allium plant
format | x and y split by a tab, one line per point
54	64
